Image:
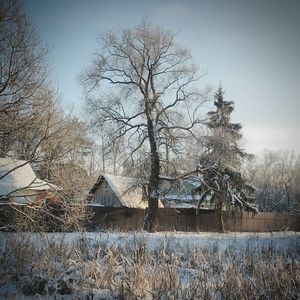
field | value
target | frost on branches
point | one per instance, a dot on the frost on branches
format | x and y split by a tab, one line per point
222	182
225	186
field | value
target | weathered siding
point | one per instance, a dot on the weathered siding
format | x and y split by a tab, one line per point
105	196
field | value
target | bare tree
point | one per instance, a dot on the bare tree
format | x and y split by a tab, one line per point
24	92
154	95
22	71
277	177
33	126
28	105
110	154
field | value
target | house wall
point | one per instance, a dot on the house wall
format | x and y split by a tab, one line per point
105	196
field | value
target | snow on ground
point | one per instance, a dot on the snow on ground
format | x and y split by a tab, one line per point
80	255
177	240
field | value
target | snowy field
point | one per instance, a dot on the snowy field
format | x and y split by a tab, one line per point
179	241
139	265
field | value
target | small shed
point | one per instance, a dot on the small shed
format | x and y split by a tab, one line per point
20	185
117	191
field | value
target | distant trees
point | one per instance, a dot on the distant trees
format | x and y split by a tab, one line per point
152	98
276	174
109	154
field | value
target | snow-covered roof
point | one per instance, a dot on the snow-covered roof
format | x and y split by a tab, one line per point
183	197
181	205
127	189
182	190
19	176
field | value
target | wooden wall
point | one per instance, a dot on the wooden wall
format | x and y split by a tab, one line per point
104	195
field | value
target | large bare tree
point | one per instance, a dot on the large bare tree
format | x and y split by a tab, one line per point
143	83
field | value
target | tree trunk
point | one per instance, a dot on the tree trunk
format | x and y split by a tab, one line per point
151	220
220	215
221	222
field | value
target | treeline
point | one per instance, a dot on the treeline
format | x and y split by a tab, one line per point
276	175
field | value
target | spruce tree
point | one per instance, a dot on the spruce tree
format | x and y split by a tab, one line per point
222	182
222	145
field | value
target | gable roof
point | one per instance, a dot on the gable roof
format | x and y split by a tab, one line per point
18	176
127	190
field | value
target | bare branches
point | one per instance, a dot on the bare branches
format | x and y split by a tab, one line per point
22	68
33	126
277	176
150	60
156	96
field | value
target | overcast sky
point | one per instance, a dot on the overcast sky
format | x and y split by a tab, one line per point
252	47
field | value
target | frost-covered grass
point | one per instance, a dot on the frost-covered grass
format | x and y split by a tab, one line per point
112	265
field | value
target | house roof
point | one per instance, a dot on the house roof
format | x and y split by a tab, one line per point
127	189
182	190
19	176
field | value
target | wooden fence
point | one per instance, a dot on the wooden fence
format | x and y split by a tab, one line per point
170	219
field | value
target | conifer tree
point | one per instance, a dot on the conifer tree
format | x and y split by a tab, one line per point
222	145
222	182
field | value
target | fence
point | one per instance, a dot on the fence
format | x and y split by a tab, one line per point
126	219
170	219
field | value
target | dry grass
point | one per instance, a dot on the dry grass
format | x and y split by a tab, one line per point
133	271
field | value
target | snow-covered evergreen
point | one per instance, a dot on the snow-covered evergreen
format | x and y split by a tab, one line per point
222	182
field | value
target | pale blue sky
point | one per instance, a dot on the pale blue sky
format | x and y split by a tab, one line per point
252	47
